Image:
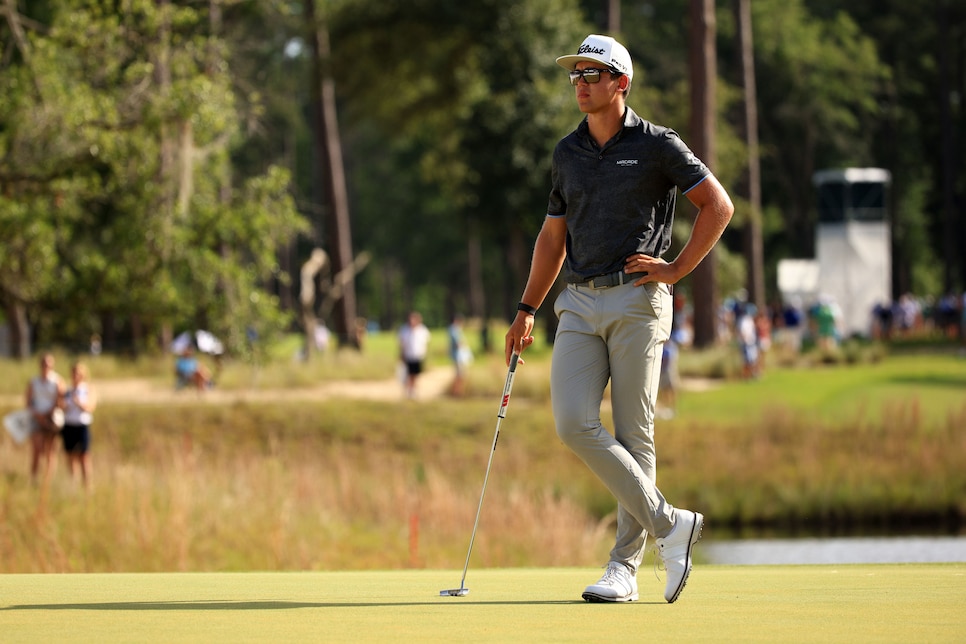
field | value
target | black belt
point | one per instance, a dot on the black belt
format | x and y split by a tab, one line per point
611	279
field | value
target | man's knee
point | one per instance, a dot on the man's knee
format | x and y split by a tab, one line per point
574	433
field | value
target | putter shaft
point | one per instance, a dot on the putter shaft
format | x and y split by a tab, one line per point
504	401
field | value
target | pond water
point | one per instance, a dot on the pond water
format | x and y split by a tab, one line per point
835	550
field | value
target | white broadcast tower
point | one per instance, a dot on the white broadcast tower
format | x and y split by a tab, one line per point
853	257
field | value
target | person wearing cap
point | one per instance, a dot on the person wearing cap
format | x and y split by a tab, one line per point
614	183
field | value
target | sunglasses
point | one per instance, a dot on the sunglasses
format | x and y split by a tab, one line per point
591	75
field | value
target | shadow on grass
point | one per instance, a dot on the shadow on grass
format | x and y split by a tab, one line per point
268	605
930	379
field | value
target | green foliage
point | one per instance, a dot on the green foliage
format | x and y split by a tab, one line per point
118	129
911	236
473	118
820	80
130	133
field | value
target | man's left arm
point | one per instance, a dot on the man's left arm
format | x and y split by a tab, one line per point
714	212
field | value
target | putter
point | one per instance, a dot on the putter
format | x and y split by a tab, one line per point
462	591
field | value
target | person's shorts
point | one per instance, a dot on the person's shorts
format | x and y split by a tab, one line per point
77	438
414	367
749	353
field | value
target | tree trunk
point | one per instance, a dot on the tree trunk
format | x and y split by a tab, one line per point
474	254
613	16
702	71
329	151
948	156
162	75
19	330
753	246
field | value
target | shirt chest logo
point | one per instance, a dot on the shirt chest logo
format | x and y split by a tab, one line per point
623	163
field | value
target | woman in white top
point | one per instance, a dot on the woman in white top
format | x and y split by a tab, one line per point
79	404
44	395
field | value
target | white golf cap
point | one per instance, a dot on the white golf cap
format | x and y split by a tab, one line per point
600	49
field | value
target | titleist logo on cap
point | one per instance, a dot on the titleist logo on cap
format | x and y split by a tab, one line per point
589	49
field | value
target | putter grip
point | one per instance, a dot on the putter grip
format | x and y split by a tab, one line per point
508	386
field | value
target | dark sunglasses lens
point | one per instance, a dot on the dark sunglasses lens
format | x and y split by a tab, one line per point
590	75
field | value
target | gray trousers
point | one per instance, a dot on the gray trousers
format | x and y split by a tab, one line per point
614	334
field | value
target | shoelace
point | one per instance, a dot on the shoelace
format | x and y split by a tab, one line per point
655	550
609	575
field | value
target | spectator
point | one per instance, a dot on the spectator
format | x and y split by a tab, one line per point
908	314
413	345
45	394
747	340
962	318
667	393
826	323
460	354
947	315
882	321
792	325
79	404
190	371
763	333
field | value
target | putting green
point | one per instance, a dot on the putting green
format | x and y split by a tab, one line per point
851	603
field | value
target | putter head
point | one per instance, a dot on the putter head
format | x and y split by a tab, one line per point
454	592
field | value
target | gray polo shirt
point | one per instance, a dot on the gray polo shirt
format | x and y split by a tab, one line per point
619	199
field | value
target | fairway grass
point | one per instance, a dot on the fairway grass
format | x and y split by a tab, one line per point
847	603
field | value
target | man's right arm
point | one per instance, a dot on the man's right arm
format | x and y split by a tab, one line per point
549	252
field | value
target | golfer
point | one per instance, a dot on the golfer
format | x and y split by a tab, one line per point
614	181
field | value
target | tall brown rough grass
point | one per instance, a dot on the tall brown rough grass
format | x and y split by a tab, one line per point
234	489
353	485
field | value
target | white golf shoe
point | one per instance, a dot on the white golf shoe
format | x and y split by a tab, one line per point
617	585
676	548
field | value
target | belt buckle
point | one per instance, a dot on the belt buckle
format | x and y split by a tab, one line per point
611	279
